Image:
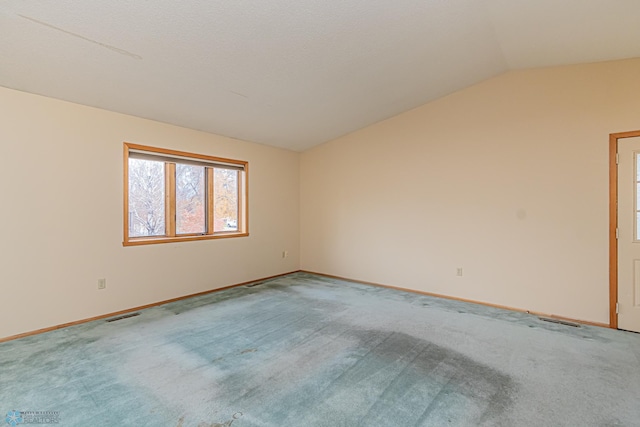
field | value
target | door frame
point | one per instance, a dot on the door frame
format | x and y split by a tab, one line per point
614	140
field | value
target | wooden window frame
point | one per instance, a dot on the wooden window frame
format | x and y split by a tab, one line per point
170	235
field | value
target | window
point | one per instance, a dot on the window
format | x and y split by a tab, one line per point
175	196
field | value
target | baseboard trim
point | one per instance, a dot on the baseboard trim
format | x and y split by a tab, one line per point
129	310
431	294
155	304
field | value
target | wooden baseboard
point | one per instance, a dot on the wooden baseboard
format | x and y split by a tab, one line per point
129	310
503	307
155	304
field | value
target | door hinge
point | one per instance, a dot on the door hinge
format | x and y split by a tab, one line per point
616	232
617	308
617	159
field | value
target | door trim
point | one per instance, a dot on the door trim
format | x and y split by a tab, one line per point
613	222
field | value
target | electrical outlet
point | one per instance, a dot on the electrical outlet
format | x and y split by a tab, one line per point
102	283
459	272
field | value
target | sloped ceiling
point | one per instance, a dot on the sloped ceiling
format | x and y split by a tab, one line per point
293	74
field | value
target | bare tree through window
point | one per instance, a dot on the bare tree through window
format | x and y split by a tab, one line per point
225	199
146	198
190	199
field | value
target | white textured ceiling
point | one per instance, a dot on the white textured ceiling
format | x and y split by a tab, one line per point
288	73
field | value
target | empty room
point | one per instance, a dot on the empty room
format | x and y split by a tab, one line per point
277	213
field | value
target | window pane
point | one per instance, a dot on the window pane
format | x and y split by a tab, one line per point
146	198
225	206
190	199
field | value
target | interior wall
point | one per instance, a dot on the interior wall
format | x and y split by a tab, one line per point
62	183
507	179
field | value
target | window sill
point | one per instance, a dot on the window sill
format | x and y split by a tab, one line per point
137	241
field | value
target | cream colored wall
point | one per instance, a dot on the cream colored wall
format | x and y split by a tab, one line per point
62	219
507	179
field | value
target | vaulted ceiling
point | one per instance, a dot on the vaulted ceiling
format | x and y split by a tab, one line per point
293	74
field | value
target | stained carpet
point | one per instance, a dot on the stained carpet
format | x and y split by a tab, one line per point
305	350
